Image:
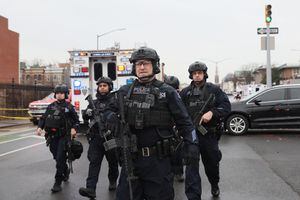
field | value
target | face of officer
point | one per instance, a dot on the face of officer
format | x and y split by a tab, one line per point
143	69
198	76
103	88
60	96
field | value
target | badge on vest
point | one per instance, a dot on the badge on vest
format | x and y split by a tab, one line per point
162	95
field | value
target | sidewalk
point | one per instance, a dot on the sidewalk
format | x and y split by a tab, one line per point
10	122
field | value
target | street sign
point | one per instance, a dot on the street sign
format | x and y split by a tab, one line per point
261	31
263	42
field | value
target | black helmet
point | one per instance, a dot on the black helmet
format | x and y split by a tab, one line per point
61	88
197	66
145	53
106	80
172	81
76	149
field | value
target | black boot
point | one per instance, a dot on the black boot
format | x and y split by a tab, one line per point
112	186
215	191
56	187
87	192
66	175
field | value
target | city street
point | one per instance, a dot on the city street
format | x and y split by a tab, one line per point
257	166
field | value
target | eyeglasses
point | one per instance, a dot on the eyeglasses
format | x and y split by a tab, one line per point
144	63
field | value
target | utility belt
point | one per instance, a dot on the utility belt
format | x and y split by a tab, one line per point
52	133
163	148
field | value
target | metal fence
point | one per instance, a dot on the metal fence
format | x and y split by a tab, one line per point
15	98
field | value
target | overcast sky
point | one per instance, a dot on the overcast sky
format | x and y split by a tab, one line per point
182	31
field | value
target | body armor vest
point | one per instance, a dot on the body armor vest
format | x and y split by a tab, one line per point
196	99
56	118
147	106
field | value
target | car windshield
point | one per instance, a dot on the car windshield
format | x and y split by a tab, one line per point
50	96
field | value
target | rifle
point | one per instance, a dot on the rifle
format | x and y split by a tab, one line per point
197	119
70	155
128	145
97	116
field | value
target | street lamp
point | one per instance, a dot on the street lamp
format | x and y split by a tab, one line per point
114	30
217	72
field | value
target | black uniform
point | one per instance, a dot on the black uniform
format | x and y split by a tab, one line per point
194	98
58	116
106	105
149	110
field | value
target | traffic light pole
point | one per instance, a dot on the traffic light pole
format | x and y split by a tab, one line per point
268	67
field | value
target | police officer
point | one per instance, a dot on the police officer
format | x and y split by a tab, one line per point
177	163
106	105
150	106
194	97
60	116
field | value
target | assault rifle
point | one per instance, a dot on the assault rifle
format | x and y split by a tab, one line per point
197	118
127	144
98	118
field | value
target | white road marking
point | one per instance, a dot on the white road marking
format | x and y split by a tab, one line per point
27	147
21	138
18	131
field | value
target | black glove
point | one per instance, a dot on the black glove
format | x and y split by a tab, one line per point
191	153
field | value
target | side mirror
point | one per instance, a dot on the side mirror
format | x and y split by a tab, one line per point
257	102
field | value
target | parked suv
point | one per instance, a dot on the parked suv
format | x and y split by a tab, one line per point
38	108
275	107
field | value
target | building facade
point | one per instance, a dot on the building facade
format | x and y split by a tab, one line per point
9	53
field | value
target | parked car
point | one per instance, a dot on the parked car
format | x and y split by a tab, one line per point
277	107
38	108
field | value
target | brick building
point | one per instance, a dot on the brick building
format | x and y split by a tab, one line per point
50	75
9	53
289	73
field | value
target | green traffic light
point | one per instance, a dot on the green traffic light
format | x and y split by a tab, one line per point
268	19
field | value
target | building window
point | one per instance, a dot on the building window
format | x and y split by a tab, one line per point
97	71
39	77
111	69
35	77
54	77
28	77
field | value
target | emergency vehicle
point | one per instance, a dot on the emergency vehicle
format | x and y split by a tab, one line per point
86	66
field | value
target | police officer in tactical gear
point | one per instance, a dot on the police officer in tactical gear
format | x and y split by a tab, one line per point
172	81
194	97
59	116
151	109
106	105
177	163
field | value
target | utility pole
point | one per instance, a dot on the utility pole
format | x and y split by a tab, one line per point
268	20
106	33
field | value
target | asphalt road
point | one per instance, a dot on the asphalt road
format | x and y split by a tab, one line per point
258	166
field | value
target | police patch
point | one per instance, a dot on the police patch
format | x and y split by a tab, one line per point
141	90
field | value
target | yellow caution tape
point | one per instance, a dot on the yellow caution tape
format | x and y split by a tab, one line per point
14	109
7	117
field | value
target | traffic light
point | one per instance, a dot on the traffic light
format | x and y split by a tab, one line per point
268	13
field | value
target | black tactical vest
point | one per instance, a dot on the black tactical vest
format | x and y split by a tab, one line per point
55	117
196	98
147	106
